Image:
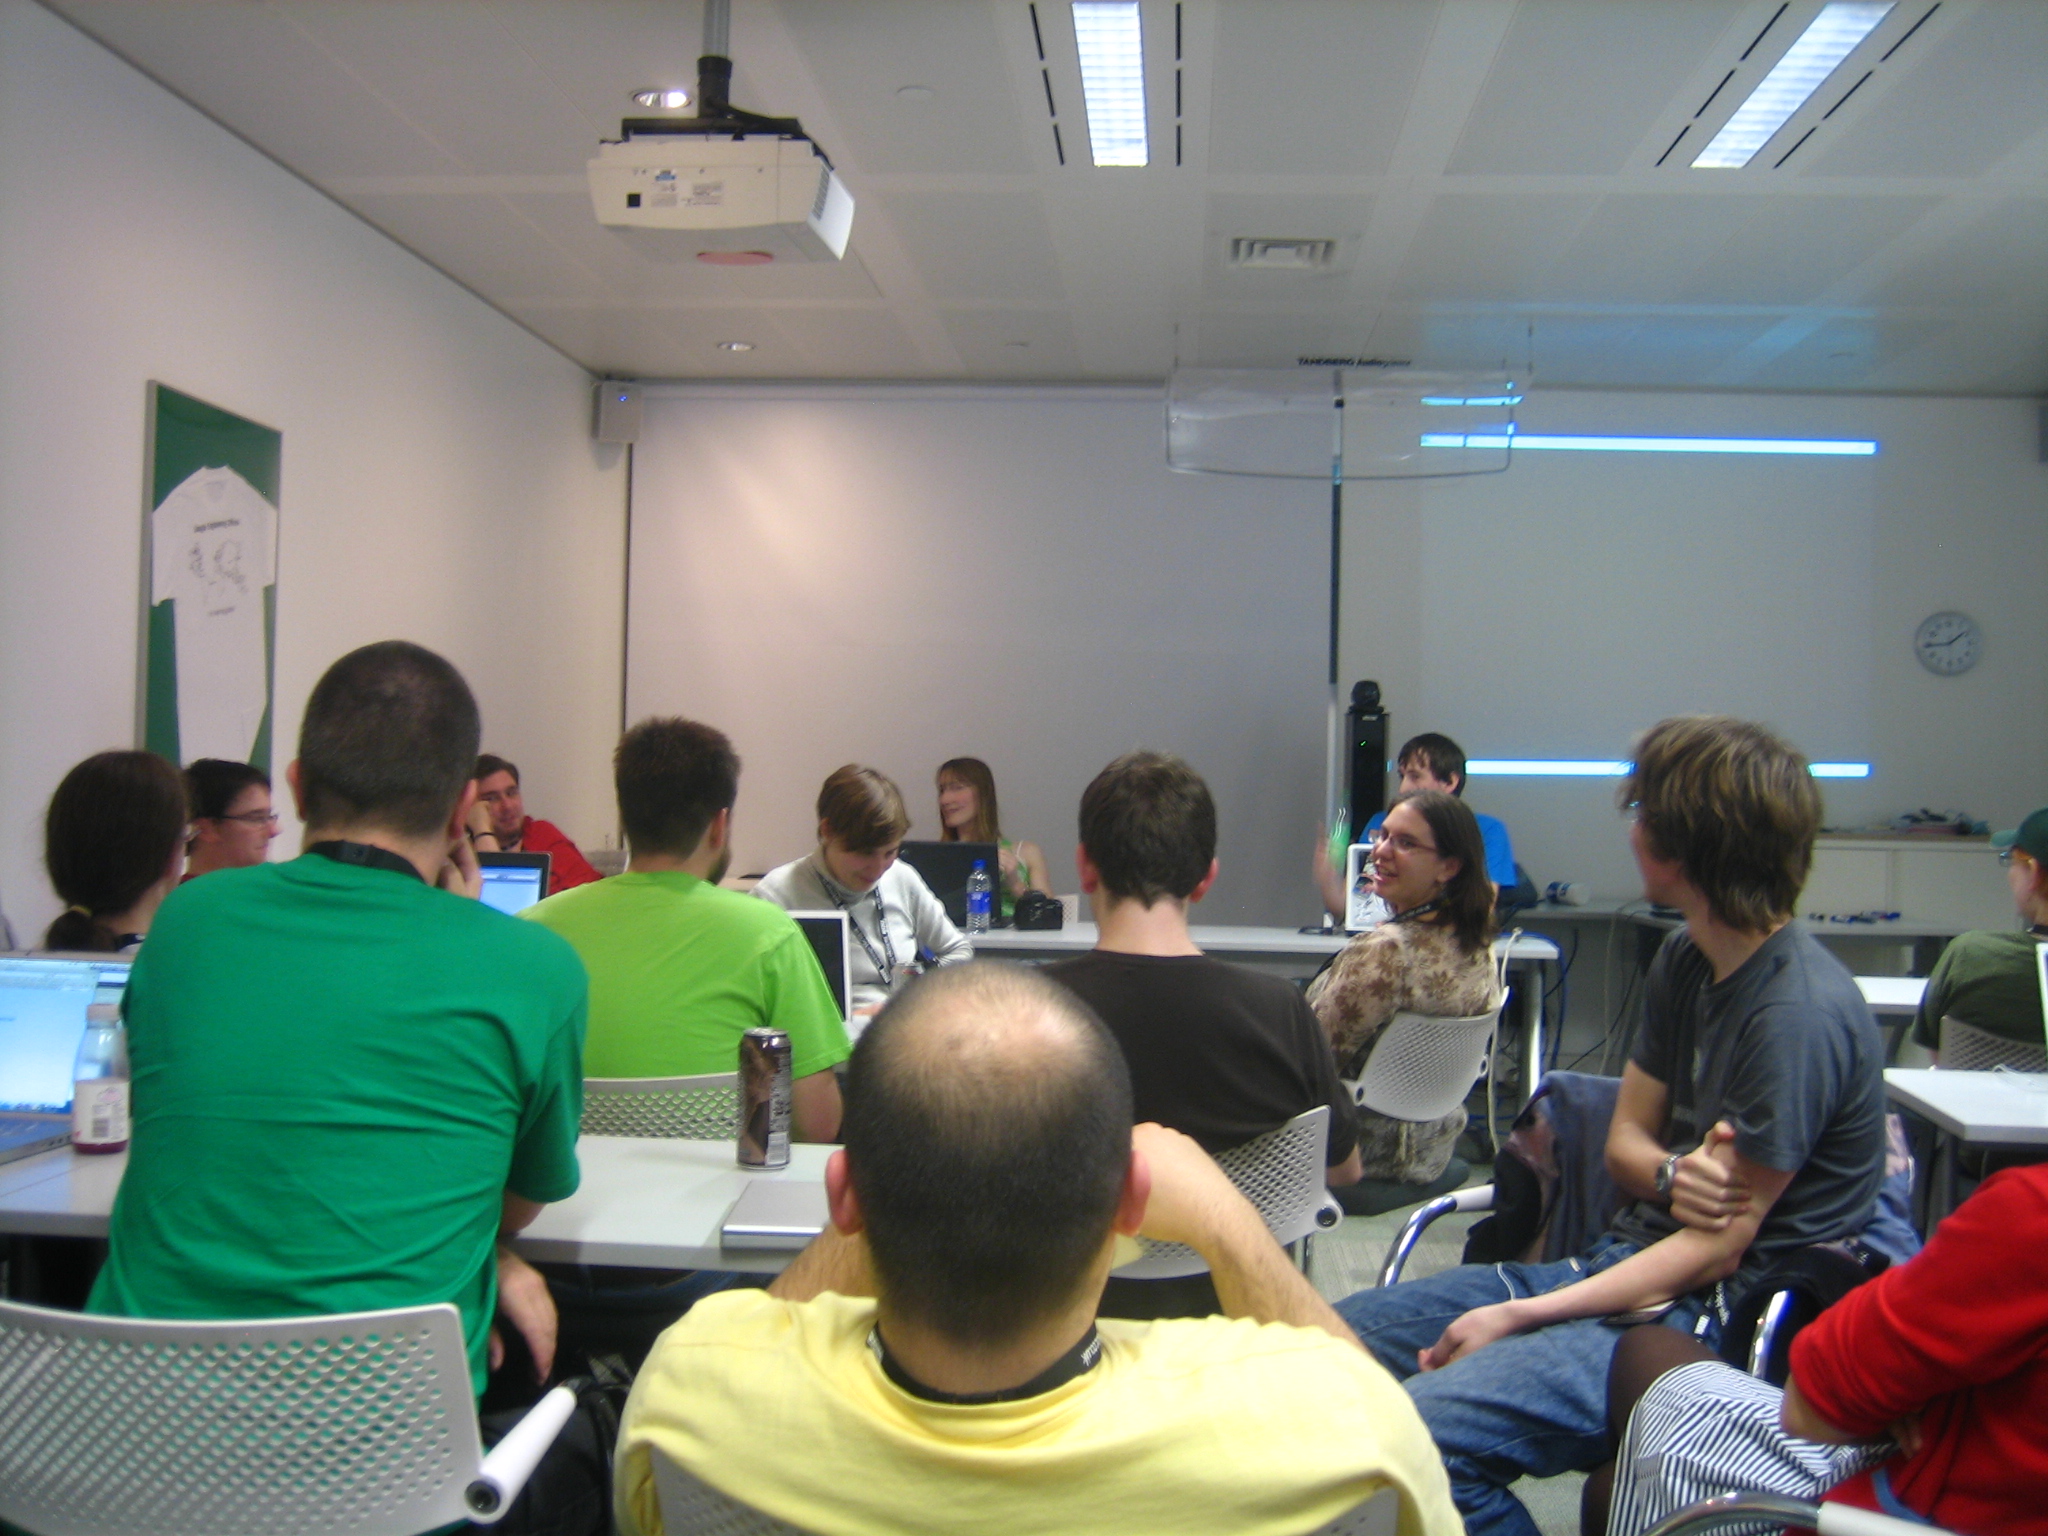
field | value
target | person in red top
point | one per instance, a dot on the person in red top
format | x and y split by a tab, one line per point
500	813
1923	1393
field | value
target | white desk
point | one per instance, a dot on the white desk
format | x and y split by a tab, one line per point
1976	1109
1292	953
644	1203
1892	996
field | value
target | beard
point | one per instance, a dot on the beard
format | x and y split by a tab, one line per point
718	870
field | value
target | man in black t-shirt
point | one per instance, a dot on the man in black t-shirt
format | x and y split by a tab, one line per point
1217	1052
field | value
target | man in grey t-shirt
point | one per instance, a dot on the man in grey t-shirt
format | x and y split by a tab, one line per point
1750	1119
1782	1061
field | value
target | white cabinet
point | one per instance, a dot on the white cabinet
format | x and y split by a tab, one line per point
1948	880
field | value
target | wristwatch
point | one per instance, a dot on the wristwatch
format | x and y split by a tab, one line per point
1666	1170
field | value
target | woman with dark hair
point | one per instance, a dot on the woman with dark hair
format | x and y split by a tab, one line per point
967	814
896	924
1433	957
233	821
114	844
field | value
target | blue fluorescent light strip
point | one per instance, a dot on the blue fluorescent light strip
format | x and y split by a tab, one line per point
1472	400
1570	768
1831	38
1532	440
1111	45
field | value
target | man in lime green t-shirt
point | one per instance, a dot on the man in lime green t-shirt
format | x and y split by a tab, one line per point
679	967
353	1080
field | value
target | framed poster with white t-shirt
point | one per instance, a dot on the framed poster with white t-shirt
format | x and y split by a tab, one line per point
210	635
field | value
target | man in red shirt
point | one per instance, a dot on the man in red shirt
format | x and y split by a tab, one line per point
498	799
1923	1393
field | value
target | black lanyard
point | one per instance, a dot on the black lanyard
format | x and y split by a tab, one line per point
1078	1361
846	902
366	857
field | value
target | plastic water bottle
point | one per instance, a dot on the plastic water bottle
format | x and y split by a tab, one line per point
980	894
99	1098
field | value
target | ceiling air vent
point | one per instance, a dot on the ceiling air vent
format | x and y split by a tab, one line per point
1283	255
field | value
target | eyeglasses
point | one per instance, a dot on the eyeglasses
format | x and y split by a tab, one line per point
1400	842
2005	855
252	818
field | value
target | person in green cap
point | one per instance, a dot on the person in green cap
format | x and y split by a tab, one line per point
1992	980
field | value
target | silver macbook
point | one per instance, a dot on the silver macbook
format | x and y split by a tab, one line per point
776	1213
43	999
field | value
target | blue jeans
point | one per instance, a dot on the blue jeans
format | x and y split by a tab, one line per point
1534	1404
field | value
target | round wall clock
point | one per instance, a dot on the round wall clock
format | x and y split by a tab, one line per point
1948	643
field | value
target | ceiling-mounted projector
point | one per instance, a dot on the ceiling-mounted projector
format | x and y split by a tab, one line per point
774	193
748	186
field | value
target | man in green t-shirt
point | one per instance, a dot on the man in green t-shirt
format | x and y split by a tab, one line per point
1993	980
352	1080
679	967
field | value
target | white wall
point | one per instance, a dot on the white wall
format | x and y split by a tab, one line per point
900	576
438	479
1556	610
806	563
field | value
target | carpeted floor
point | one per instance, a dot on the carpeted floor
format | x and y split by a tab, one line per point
1348	1259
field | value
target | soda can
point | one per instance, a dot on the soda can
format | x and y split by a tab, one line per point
765	1090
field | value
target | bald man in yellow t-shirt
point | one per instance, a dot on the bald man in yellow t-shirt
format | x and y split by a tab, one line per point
932	1363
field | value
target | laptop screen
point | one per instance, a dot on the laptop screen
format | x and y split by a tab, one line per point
513	881
946	866
827	933
43	999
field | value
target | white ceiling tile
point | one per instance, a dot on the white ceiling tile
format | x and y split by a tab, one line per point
2000	259
978	245
458	75
1641	247
1577	83
862	55
1496	246
1014	343
851	343
1793	248
1976	94
254	68
1314	85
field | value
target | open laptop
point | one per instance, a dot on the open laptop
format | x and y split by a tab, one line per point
513	881
43	999
828	936
1362	908
946	866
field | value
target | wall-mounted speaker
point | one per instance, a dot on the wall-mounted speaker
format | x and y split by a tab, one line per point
618	411
1365	730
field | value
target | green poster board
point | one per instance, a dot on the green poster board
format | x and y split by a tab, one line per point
209	582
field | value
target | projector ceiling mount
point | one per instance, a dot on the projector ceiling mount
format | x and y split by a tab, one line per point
749	189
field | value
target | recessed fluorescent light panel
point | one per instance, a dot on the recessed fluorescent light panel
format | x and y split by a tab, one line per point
1572	768
1112	49
1831	38
1520	441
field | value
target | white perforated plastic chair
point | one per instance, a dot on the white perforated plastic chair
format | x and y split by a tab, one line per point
692	1507
703	1108
1282	1174
1421	1068
1966	1048
362	1424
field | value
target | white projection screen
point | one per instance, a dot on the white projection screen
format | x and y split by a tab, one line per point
897	576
